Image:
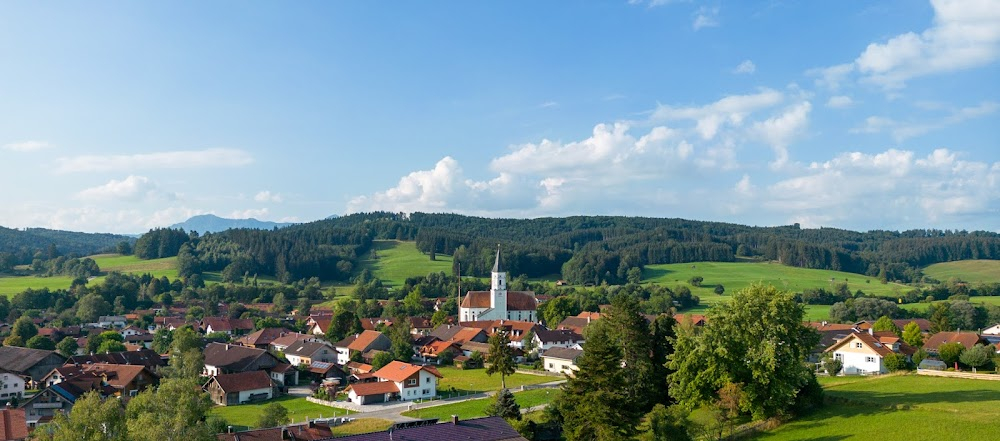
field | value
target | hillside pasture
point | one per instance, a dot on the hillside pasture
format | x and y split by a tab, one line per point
972	271
398	260
13	285
134	265
900	407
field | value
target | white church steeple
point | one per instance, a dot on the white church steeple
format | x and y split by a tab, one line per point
498	288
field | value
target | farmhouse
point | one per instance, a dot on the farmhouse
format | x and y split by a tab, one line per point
222	358
363	342
561	360
498	303
244	387
307	352
30	364
560	338
397	381
863	352
13	386
126	380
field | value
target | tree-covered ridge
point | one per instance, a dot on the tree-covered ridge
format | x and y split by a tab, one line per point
583	249
21	247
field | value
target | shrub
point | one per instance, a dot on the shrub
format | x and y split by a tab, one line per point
895	363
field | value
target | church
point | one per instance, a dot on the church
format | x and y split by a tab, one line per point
498	303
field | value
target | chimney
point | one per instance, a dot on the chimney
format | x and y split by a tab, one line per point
824	323
454	419
230	429
871	331
227	346
285	434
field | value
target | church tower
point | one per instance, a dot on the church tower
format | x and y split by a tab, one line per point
498	289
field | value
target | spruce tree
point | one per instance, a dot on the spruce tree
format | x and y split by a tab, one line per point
504	406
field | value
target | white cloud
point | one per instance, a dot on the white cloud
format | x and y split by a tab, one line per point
840	102
267	196
26	146
426	190
706	17
255	213
780	131
95	218
832	77
731	110
965	34
746	67
216	157
901	131
133	188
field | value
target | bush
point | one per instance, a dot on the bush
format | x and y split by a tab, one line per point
895	363
833	366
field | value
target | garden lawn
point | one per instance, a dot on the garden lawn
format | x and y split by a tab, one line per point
298	410
972	271
477	408
476	380
362	425
901	407
398	260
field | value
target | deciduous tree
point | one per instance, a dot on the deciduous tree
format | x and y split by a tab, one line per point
912	335
273	415
500	358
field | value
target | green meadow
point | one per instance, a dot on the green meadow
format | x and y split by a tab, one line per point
397	260
13	285
134	265
477	408
900	407
972	271
298	410
476	380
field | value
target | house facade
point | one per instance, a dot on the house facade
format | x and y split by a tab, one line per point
222	358
498	303
561	360
363	342
863	353
397	381
244	387
13	386
308	352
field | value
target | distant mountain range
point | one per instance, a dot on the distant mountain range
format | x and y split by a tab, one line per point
210	223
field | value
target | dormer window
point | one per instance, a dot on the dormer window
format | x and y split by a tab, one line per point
859	345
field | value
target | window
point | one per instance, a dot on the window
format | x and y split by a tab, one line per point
859	345
426	391
838	356
411	382
550	364
869	359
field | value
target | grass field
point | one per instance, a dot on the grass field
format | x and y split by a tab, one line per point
362	425
298	410
477	408
906	407
982	300
131	264
973	271
13	285
476	380
398	260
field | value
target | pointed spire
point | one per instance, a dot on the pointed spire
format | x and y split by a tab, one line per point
496	265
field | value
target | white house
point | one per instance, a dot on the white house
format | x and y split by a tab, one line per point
560	338
561	360
13	386
992	330
397	381
863	352
306	352
111	321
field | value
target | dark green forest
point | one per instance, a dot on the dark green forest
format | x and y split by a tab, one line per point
22	247
582	249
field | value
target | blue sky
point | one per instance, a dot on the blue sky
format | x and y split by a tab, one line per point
123	116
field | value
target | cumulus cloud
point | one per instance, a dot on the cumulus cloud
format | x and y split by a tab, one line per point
267	196
746	67
731	110
781	130
964	34
839	102
133	188
26	146
215	157
903	130
251	213
706	17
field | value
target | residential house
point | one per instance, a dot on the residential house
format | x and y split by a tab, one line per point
305	352
284	375
222	358
864	352
363	342
13	386
355	367
435	351
579	322
459	334
696	319
30	364
263	338
420	326
319	323
240	388
923	324
141	357
966	339
397	381
992	330
126	380
829	333
477	429
13	426
41	407
561	360
516	330
111	321
545	339
132	330
307	431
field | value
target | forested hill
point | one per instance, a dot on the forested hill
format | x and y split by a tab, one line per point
19	246
582	248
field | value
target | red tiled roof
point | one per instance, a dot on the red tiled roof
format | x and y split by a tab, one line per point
13	425
696	319
243	381
516	300
358	366
516	329
262	337
967	339
869	340
364	340
374	388
399	371
437	347
466	335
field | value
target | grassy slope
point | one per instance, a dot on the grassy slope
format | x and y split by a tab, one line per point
13	285
298	410
974	271
477	408
906	407
131	264
398	260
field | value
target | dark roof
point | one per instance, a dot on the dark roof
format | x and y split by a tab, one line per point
263	337
558	335
243	381
478	429
496	263
923	324
563	353
445	332
298	432
374	388
144	356
516	300
231	356
19	360
307	348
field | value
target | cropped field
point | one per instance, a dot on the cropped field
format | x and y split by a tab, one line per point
134	265
298	410
906	407
973	271
476	380
13	285
398	260
477	408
